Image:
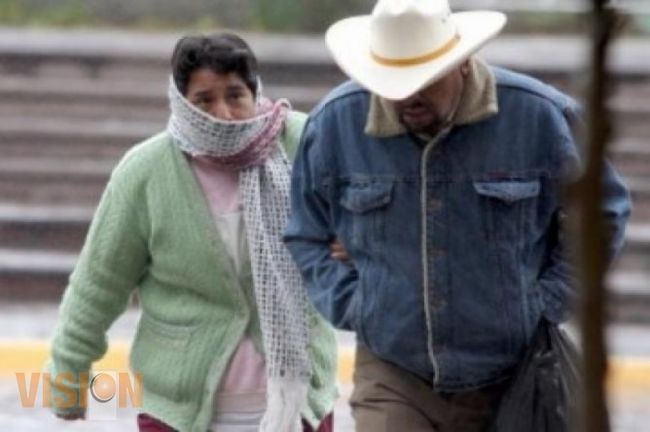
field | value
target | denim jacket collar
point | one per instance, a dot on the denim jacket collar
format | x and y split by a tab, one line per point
478	102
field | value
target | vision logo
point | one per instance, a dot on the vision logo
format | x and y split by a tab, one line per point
101	394
102	388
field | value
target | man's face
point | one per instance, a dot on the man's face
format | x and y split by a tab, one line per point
428	110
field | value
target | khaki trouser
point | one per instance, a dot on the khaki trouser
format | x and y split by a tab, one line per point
387	398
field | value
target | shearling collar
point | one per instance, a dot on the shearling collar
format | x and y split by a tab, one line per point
478	102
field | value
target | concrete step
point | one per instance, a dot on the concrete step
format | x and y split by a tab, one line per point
34	275
303	62
635	257
63	172
86	190
632	155
55	167
638	237
133	100
630	119
628	124
53	137
637	241
42	276
128	55
27	221
51	181
151	88
83	98
93	52
44	228
75	170
640	192
633	261
629	297
633	90
104	99
58	135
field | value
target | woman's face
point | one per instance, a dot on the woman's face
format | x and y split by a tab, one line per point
224	96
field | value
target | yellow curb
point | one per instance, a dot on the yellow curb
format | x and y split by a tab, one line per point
629	374
626	374
29	355
345	365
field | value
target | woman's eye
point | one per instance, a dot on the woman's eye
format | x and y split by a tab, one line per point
202	103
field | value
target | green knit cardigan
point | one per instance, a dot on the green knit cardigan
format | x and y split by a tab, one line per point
153	232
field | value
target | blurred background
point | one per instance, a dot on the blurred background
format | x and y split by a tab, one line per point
286	16
81	81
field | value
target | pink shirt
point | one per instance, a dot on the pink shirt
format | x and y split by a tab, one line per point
243	386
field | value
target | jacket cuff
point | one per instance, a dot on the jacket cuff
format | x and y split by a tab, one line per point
69	389
554	309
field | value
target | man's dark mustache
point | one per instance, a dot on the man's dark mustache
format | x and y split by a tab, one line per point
414	105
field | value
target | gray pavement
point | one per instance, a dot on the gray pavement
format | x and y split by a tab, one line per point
630	411
34	321
14	418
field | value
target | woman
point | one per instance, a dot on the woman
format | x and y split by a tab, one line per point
194	217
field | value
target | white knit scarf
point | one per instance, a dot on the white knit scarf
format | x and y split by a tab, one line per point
253	147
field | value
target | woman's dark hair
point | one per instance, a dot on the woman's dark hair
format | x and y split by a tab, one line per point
222	53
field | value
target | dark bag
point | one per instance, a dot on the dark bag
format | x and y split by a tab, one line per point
543	393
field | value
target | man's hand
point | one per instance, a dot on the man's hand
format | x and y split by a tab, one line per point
338	252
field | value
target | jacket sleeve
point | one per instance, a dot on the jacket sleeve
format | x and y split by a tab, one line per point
330	283
558	280
292	131
111	262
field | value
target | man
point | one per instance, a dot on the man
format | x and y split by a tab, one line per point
442	177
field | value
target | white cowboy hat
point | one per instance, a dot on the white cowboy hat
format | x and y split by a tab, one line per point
407	44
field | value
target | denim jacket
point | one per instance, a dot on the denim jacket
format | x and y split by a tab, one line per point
455	248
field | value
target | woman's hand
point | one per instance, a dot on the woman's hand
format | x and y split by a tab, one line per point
338	252
72	416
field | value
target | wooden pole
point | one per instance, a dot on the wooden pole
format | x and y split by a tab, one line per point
592	238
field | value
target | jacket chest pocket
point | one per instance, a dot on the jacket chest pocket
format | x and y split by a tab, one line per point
364	219
507	206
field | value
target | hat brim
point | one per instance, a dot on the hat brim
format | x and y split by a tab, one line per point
348	41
